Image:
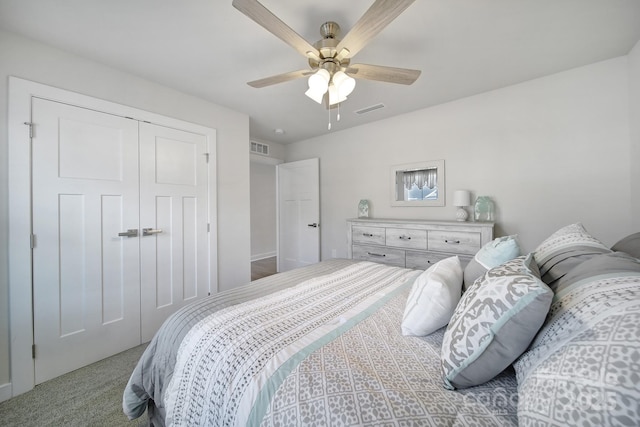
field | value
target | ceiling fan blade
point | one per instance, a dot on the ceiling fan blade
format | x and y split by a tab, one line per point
374	20
261	15
280	78
380	73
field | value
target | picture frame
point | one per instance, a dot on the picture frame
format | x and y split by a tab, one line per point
418	184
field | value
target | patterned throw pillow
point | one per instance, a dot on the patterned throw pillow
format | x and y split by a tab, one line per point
583	366
494	322
491	255
433	298
564	249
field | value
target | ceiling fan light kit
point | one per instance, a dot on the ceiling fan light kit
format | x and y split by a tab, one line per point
338	85
332	74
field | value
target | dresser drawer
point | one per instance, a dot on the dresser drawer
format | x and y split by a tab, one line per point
424	260
379	254
372	235
458	242
406	238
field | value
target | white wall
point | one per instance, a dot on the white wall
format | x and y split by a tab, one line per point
634	121
263	210
263	200
549	152
37	62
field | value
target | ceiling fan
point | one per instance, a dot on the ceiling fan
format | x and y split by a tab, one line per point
331	74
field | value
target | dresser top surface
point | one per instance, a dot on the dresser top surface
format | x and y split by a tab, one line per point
421	221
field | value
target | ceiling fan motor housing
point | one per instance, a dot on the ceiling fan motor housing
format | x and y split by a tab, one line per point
327	47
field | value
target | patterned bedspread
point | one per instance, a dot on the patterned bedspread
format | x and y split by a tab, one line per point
328	351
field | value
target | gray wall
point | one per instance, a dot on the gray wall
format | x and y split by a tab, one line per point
37	62
549	152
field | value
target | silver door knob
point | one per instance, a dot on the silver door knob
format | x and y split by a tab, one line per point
151	231
132	232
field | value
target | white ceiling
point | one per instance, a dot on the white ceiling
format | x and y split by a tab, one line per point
209	49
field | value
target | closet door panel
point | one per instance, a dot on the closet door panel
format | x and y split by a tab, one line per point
174	209
86	283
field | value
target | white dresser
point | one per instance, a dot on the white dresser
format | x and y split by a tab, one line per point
415	243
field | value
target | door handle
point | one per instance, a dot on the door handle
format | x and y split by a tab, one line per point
151	231
132	232
314	225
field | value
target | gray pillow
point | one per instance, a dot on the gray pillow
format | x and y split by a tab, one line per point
582	367
563	250
629	245
612	263
494	323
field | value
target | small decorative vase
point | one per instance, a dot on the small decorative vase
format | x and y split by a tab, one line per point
363	209
483	209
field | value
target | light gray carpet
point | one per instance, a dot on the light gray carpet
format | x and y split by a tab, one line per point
90	396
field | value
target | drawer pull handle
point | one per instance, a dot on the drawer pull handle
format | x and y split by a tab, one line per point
375	254
367	234
405	237
452	242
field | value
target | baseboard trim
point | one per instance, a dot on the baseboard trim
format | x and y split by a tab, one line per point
258	257
5	392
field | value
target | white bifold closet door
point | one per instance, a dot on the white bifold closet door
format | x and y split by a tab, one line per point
120	232
174	246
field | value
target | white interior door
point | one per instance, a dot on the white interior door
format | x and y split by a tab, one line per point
298	214
85	276
173	221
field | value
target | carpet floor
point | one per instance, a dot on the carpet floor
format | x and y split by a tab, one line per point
89	396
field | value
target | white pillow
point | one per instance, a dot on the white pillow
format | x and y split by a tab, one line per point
433	298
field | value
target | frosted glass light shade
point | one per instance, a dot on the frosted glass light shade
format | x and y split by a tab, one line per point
318	85
334	95
316	95
319	80
343	83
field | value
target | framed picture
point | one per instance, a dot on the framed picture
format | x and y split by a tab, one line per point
418	184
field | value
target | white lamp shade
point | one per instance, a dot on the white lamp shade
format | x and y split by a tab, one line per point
462	198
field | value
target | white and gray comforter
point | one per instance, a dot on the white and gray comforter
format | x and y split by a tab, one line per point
317	346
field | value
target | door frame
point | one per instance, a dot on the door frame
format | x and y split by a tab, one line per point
21	92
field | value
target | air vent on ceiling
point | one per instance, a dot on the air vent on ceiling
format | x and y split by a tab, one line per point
369	109
259	148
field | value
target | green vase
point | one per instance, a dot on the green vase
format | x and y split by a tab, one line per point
483	209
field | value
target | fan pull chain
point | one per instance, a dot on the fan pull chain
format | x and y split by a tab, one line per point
329	126
338	117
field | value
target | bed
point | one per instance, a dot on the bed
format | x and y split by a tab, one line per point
359	343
